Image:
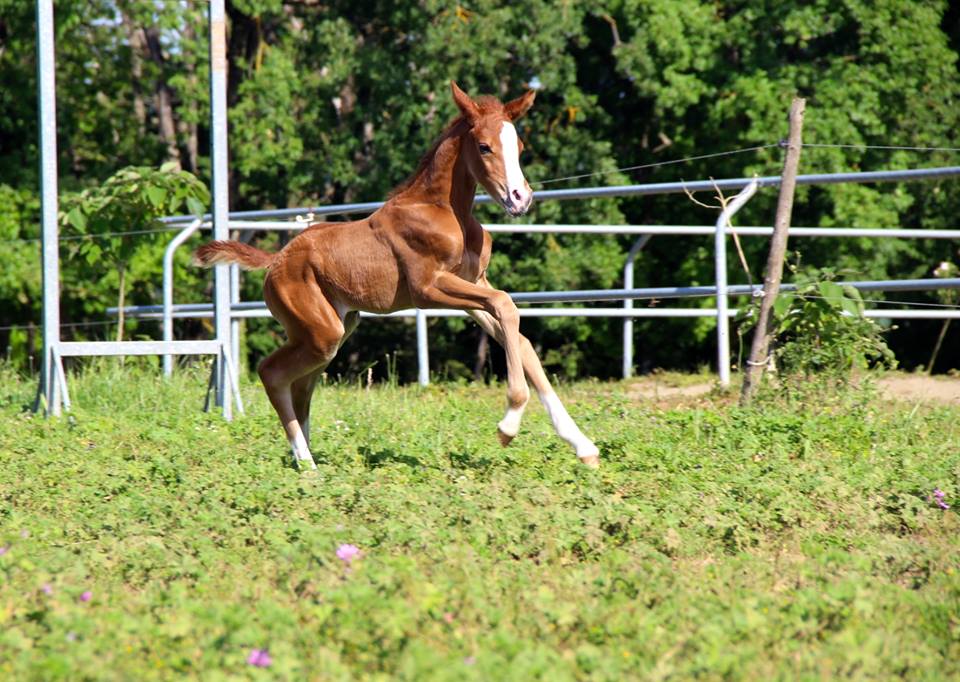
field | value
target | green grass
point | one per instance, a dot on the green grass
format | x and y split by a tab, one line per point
784	542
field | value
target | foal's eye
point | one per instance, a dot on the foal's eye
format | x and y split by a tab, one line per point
485	149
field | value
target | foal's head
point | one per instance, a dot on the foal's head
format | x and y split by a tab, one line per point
492	148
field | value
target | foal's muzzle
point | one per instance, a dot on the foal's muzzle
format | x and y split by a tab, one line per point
517	202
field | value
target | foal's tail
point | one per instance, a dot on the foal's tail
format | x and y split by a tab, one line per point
244	255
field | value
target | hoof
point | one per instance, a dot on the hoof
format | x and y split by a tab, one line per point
591	461
503	438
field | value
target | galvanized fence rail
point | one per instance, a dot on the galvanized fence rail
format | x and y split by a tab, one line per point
244	221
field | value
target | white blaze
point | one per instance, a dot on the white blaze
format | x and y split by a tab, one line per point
510	146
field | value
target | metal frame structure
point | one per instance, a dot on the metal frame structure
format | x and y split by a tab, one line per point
53	395
245	220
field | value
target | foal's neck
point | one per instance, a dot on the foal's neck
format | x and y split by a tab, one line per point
446	179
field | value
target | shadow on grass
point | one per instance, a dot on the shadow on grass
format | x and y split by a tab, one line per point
374	459
466	460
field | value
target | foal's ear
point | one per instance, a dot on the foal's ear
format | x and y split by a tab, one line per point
518	107
467	106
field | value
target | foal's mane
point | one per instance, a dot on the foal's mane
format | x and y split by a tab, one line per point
455	128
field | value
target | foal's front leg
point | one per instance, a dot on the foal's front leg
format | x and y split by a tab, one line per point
563	423
449	291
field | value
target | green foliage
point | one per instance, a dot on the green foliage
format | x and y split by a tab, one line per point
714	542
131	200
820	328
114	223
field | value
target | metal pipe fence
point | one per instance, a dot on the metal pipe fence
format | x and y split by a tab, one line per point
265	220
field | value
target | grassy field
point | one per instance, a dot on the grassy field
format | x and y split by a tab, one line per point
142	539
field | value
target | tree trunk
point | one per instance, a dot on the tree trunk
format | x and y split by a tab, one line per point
483	347
778	245
137	50
163	95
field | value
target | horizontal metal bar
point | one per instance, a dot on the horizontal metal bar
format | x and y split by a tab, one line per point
735	290
710	230
206	312
653	230
622	191
84	348
262	312
240	309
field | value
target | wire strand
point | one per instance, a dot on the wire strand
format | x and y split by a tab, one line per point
626	169
98	235
881	147
70	325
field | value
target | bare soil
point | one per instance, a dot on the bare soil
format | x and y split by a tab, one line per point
908	387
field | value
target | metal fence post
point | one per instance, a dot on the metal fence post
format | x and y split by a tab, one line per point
218	154
720	263
50	382
628	305
234	322
423	358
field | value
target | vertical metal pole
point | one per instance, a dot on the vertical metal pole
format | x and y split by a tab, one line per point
234	322
720	262
628	305
723	322
181	237
47	103
423	358
218	155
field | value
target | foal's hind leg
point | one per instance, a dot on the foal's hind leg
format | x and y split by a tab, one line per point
302	389
314	331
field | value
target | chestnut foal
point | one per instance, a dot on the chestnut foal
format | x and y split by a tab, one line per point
422	248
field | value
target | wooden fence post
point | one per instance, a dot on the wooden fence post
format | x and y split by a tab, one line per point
759	349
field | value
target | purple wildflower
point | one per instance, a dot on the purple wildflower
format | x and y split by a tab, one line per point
47	589
4	550
86	595
938	496
259	658
347	553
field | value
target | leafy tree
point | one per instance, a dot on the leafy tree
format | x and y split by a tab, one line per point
134	197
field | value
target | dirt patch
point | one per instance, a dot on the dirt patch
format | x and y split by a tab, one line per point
909	387
655	390
920	387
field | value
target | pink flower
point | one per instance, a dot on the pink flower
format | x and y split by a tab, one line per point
347	553
938	497
47	589
4	550
87	595
469	660
259	658
448	617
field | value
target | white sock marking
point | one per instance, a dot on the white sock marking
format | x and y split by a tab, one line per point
566	428
301	451
510	424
